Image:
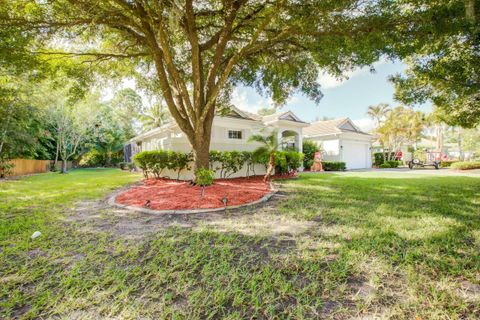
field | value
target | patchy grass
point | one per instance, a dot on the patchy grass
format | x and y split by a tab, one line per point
337	246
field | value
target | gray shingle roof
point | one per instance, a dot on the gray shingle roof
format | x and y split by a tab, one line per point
336	126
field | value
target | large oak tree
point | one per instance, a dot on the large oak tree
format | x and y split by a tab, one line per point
197	51
446	68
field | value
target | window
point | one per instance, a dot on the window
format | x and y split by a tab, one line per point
234	134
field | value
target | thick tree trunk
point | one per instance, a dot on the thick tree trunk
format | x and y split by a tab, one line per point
201	142
201	151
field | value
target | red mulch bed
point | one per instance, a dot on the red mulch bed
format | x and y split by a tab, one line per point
166	194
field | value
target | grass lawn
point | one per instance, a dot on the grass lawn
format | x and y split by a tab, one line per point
378	245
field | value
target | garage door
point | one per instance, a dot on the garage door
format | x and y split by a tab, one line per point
356	155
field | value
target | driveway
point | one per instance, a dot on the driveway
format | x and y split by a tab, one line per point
417	171
429	171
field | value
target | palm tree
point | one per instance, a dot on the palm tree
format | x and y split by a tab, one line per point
378	113
155	117
269	147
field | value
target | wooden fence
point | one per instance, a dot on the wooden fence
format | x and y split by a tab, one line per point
27	166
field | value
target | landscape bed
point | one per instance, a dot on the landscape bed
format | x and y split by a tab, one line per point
167	194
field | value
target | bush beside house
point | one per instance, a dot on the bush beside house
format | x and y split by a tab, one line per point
309	148
380	157
334	166
226	163
95	158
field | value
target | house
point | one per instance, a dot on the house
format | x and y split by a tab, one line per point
230	132
342	140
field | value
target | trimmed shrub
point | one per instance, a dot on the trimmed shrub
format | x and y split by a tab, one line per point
394	163
294	160
379	157
204	177
385	165
309	148
249	162
155	162
334	165
143	161
466	165
123	165
228	162
261	158
180	161
287	161
447	163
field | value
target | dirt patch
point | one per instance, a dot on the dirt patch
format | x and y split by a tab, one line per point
122	223
469	291
166	194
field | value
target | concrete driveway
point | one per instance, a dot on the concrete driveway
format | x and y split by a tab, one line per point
427	170
406	171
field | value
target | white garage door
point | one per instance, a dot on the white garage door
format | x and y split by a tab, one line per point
356	155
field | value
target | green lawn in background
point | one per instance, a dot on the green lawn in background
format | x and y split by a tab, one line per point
384	244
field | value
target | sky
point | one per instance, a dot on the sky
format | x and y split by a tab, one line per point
342	98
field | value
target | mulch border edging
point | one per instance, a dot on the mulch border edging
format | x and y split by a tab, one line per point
112	202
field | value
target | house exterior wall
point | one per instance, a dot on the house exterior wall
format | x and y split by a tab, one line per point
175	140
331	147
339	147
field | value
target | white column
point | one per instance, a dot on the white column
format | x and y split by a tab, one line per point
300	141
279	139
300	147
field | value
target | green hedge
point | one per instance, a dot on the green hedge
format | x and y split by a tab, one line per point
309	148
394	163
379	157
447	163
466	165
287	161
155	162
334	166
126	165
95	158
226	163
385	165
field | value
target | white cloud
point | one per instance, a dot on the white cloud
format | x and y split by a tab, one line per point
248	100
365	124
327	81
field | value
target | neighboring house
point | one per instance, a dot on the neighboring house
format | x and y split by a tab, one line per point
230	132
342	140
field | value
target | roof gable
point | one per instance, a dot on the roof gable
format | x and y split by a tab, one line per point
287	116
329	127
347	126
234	112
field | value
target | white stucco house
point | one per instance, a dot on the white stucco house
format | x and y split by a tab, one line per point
342	140
230	132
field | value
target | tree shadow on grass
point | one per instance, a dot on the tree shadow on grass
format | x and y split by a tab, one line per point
332	248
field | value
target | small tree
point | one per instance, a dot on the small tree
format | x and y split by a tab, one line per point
402	125
309	148
73	124
269	147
